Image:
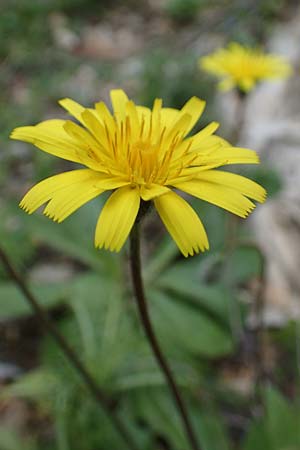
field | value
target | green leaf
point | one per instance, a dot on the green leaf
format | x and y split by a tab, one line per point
162	257
14	237
35	385
183	327
243	264
281	420
184	280
98	307
13	305
75	236
10	440
269	178
257	437
184	10
278	429
212	432
156	408
140	379
214	220
102	331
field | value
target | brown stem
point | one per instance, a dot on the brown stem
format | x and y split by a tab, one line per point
91	384
258	357
240	101
135	264
259	331
231	242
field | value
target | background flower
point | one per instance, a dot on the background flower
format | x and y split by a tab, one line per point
243	67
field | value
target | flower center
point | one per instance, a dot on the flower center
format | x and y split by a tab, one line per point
143	162
145	152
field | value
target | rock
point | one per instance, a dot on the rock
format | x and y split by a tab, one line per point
52	272
9	372
106	42
63	36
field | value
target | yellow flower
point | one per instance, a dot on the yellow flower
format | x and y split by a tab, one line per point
139	154
243	67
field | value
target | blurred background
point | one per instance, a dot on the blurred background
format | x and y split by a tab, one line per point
228	320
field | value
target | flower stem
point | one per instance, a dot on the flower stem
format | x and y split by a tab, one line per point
99	396
135	264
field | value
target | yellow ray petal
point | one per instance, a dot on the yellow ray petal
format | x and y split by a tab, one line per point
226	84
168	117
227	155
241	184
51	137
182	223
106	117
145	119
74	108
179	128
67	200
132	113
155	190
44	190
194	107
202	141
222	196
143	111
208	145
67	192
155	121
80	134
202	135
97	129
238	155
117	218
119	100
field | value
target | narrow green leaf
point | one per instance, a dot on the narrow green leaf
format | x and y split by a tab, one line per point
183	327
13	305
212	432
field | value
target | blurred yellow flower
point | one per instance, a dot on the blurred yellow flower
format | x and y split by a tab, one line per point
139	154
243	67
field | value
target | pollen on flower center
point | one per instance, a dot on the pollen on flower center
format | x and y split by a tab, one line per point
143	162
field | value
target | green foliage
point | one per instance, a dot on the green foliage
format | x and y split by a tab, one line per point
16	18
184	10
11	441
269	178
278	429
270	9
212	431
187	329
74	237
12	303
244	263
191	316
14	237
191	322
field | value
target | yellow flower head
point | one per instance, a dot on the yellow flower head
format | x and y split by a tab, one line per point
243	67
139	154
